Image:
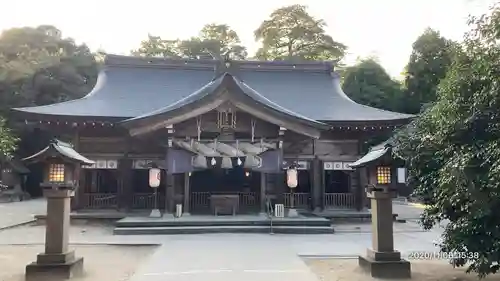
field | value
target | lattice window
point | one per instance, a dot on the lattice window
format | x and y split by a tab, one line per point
383	175
56	173
226	119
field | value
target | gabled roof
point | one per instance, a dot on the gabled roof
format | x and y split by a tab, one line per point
129	87
62	149
226	88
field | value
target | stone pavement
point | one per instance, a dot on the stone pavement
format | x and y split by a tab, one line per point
225	256
260	256
230	257
16	213
407	210
233	256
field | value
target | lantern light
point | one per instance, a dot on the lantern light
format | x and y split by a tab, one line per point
213	162
383	175
154	177
292	177
56	173
247	174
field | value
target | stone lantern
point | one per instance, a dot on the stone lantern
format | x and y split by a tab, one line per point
382	261
60	180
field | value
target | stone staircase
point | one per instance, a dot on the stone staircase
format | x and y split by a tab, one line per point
222	224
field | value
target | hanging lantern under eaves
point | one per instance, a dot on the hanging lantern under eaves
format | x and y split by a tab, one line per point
292	177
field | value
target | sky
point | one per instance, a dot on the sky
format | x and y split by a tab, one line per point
385	29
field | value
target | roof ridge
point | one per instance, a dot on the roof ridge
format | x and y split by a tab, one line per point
121	60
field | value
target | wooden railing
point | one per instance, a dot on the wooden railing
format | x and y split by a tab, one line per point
99	200
300	200
202	199
340	200
146	201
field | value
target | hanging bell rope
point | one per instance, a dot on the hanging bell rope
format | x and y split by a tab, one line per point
198	126
238	162
253	129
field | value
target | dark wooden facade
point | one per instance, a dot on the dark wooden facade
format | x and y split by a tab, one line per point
118	180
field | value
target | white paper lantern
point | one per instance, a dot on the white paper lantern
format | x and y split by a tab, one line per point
154	177
291	178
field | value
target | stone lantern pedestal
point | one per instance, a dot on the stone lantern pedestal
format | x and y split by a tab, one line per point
382	261
57	262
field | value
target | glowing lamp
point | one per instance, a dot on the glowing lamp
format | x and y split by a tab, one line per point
292	178
383	175
154	177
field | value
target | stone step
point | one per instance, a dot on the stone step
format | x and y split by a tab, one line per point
222	229
221	221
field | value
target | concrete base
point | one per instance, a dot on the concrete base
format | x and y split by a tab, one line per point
54	271
292	213
155	213
168	215
395	269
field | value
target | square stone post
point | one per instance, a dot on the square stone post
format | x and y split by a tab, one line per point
57	261
381	260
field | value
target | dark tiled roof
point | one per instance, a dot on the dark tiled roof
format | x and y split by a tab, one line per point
129	87
215	84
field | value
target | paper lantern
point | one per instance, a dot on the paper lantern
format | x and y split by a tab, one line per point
154	177
291	178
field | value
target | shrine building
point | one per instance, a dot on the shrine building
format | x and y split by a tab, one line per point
215	127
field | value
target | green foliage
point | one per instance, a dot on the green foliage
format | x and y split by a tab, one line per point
429	62
7	140
368	83
38	66
215	39
453	150
292	33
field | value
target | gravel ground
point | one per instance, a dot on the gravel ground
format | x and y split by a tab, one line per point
106	263
348	270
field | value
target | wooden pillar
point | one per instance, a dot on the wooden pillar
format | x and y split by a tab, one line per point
360	193
187	195
263	188
169	182
317	189
76	201
280	176
169	191
125	188
363	176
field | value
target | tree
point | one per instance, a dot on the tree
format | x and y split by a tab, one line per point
453	151
429	62
38	66
368	83
215	39
155	46
7	140
292	33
